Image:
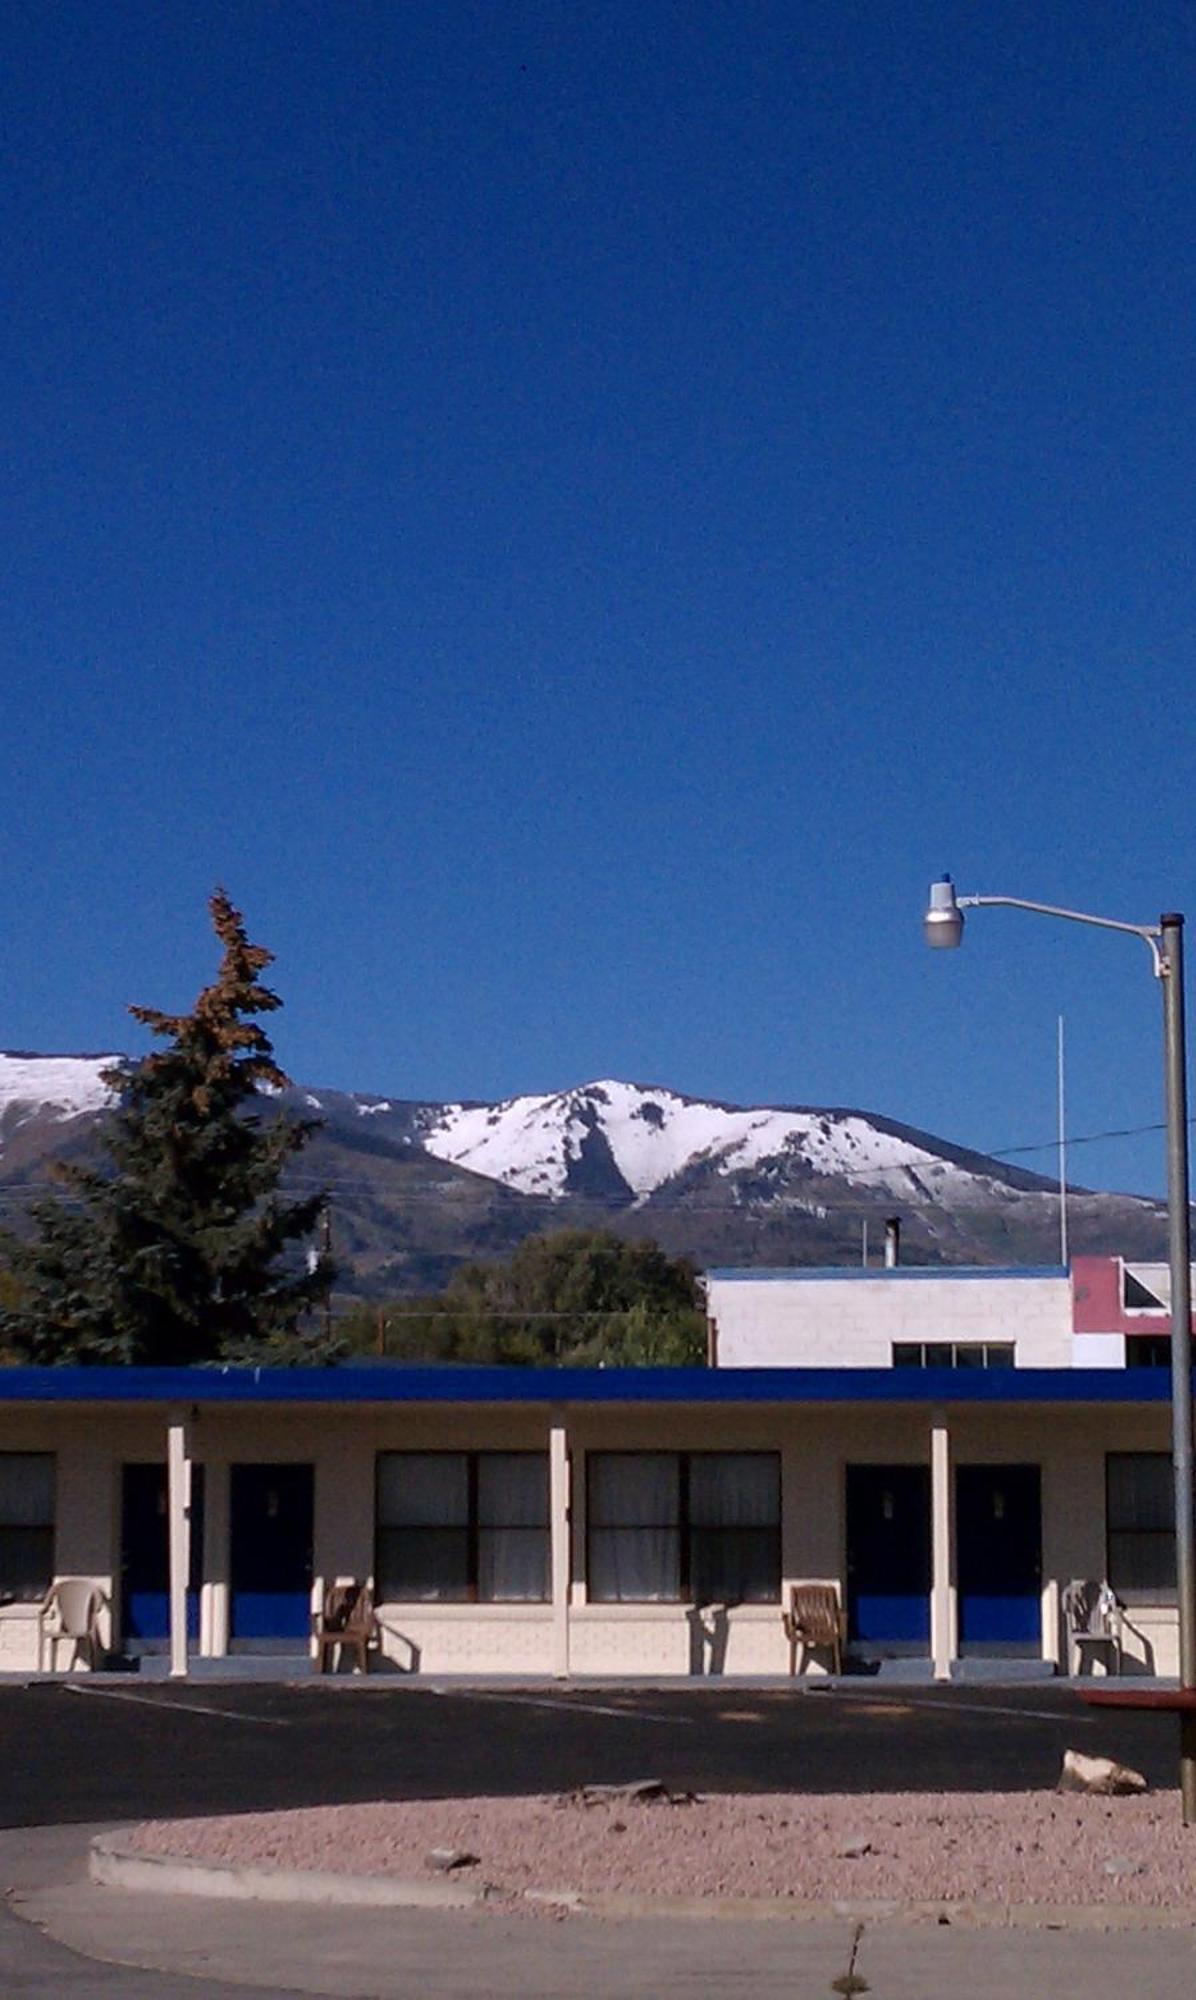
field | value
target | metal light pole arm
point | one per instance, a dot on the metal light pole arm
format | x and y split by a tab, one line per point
1165	941
1149	933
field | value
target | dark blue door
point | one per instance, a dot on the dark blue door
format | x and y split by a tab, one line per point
888	1555
998	1560
145	1554
270	1550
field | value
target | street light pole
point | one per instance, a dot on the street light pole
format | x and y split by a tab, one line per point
1179	1245
944	925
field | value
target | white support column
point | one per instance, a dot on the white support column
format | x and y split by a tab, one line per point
558	1504
215	1555
942	1591
1050	1624
178	1512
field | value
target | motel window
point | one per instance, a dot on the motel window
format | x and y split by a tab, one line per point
953	1354
1150	1350
26	1525
1138	1297
700	1527
1140	1525
462	1527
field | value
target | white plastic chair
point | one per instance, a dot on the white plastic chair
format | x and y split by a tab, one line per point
71	1613
1094	1622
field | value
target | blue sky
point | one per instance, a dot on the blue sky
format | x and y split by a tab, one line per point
574	512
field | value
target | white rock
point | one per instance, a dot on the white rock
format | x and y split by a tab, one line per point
1098	1774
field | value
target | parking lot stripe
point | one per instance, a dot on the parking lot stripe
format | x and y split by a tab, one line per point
569	1707
187	1707
907	1701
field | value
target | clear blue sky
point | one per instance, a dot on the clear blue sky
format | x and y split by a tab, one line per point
575	511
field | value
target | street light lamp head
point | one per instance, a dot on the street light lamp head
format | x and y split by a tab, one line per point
942	925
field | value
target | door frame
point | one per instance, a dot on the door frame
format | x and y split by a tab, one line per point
917	1647
282	1641
1019	1647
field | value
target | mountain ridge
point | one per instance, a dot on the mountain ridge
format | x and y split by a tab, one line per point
420	1186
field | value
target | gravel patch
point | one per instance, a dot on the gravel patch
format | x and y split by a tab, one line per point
1017	1847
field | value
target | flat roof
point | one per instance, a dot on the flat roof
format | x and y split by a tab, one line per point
889	1273
399	1385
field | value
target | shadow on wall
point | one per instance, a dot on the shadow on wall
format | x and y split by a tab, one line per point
408	1659
1130	1662
708	1625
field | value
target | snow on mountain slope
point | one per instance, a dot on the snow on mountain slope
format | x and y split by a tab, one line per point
536	1143
51	1087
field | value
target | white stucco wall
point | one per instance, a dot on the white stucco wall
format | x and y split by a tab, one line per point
1098	1350
852	1321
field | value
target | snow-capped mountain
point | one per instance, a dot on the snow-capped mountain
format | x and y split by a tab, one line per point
553	1145
54	1088
417	1187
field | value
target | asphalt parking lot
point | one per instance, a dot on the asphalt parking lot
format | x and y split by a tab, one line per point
91	1751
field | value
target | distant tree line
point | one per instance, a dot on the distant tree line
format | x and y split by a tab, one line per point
575	1297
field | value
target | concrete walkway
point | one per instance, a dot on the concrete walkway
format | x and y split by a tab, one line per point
424	1955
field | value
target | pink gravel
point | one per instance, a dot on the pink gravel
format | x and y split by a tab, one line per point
1017	1847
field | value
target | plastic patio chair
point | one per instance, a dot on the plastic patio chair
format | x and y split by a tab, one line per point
1094	1621
346	1620
813	1618
70	1614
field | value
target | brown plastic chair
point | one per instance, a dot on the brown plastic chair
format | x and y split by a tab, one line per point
347	1620
814	1618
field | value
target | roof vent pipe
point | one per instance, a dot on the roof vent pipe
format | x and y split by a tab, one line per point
892	1242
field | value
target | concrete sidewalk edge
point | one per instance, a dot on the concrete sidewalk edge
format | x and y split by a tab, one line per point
115	1864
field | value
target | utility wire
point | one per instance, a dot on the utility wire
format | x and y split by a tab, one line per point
345	1184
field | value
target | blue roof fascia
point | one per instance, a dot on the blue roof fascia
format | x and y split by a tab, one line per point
289	1386
892	1274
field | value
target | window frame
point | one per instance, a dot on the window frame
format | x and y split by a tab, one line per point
685	1526
45	1527
1128	1592
472	1527
912	1353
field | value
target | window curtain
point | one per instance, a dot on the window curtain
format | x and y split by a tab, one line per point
423	1527
26	1525
423	1489
513	1527
734	1513
1141	1526
635	1527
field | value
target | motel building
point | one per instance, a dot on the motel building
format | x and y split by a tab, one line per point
949	1448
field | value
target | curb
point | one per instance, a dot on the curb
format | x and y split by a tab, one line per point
961	1916
116	1865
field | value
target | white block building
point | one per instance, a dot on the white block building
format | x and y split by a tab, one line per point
1102	1312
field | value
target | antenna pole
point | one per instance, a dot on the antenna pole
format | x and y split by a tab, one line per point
1062	1152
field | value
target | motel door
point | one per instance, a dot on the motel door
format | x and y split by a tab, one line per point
888	1556
998	1540
145	1556
270	1551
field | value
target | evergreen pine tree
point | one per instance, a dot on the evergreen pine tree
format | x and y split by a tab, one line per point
184	1249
